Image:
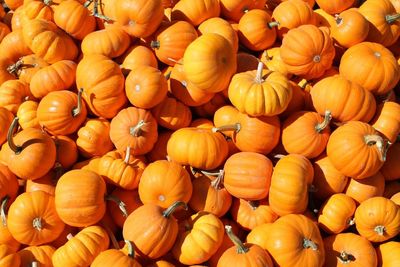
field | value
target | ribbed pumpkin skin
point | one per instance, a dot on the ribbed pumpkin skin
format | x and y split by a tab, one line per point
386	252
56	77
286	242
55	112
110	42
8	257
14	45
248	175
195	12
172	114
199	148
80	208
7	239
234	10
335	6
361	250
289	185
210	62
361	190
349	152
103	85
6	118
41	254
346	100
23	212
82	249
74	18
163	183
377	69
13	93
222	27
300	59
387	120
115	258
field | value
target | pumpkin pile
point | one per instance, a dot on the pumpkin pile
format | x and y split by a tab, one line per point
219	133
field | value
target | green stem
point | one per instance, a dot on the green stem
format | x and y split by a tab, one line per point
166	213
345	258
273	24
131	251
392	18
3	206
377	140
127	154
380	230
232	127
327	119
155	44
37	224
10	140
120	203
240	247
17	66
76	111
219	180
206	173
308	243
137	129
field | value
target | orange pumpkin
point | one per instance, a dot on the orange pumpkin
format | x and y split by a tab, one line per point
361	190
47	183
8	190
258	235
40	255
14	45
235	9
25	67
67	152
390	169
386	252
13	93
387	120
159	150
335	6
115	257
6	117
197	12
300	59
137	55
8	257
131	200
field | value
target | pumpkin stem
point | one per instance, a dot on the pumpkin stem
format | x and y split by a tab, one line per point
308	243
155	44
206	173
392	18
302	84
95	12
10	140
254	204
127	154
345	258
69	236
377	140
168	75
131	251
351	221
217	181
17	66
37	224
232	127
174	60
166	213
259	78
380	229
58	169
338	20
35	264
110	234
273	24
137	130
240	247
120	203
327	119
3	210
87	3
76	111
47	2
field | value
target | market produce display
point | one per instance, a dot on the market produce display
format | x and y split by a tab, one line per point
209	133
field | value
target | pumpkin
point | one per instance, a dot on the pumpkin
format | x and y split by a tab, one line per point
32	219
387	121
36	10
350	28
258	235
61	112
14	4
117	257
222	27
260	93
13	93
163	183
56	77
242	128
6	117
200	226
208	109
110	42
131	200
349	249
385	253
378	219
14	45
25	67
210	196
135	128
289	183
361	190
83	248
16	20
247	175
94	138
4	30
137	55
8	191
139	18
335	6
327	179
82	207
209	62
8	257
294	240
378	71
197	12
67	152
306	133
171	40
145	87
47	183
41	255
273	61
152	229
103	85
49	42
352	145
234	10
291	14
250	214
383	18
255	32
300	59
30	154
27	114
198	147
159	150
347	102
336	214
390	168
74	19
244	255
